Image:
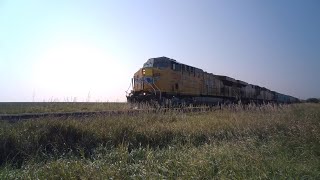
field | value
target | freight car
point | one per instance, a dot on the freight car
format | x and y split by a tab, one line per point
166	81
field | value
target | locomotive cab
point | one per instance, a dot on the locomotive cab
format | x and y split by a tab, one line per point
149	82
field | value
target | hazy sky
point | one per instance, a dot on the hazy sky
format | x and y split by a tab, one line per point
89	50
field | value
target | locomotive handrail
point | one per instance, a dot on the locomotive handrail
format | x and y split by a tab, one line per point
155	91
129	88
158	89
151	87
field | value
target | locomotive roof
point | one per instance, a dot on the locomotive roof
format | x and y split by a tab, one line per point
163	58
166	59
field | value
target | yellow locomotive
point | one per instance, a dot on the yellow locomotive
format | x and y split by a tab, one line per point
164	80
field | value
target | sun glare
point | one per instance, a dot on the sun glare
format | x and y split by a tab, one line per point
71	69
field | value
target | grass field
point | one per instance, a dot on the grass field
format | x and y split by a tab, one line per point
47	107
265	142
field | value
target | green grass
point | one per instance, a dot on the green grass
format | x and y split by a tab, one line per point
47	107
266	142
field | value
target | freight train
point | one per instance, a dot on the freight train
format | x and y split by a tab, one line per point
168	82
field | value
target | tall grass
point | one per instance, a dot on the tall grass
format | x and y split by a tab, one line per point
235	142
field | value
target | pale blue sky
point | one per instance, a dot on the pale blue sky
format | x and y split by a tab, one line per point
61	50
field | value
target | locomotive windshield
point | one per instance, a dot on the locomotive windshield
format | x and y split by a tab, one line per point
160	63
149	63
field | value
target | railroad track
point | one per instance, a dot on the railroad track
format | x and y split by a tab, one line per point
26	116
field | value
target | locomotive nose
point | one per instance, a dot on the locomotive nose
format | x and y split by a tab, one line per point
147	72
147	75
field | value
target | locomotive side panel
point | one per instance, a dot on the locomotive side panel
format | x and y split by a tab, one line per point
191	81
212	85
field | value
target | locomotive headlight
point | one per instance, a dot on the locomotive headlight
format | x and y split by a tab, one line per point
144	93
147	72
